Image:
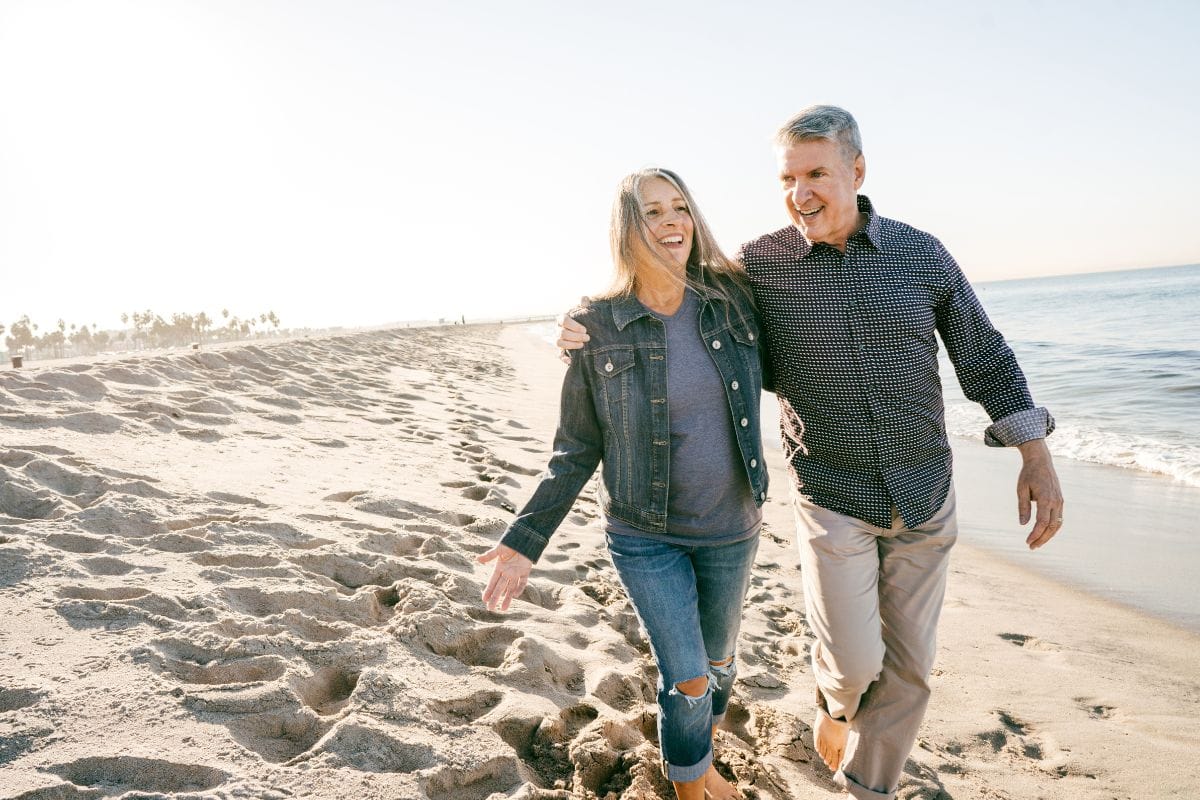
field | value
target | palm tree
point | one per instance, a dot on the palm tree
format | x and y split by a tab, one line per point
202	323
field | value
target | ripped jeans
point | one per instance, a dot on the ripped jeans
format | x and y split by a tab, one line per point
689	601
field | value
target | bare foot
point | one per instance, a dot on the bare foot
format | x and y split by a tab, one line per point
717	788
829	737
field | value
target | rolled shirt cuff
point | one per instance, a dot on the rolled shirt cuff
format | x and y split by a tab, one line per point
1019	427
525	541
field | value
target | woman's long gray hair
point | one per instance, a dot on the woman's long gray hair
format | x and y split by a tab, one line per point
707	264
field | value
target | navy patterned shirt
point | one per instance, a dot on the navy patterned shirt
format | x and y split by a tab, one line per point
854	363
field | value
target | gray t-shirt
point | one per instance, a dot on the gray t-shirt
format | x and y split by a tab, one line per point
708	496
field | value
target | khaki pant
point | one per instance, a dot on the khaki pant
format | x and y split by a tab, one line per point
874	596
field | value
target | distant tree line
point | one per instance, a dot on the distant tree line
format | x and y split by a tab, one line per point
149	330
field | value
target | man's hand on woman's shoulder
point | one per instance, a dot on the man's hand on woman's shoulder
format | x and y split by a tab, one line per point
571	334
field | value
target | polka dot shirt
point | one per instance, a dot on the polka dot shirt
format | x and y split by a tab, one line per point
853	359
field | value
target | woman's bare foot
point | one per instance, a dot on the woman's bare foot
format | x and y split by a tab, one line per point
717	788
829	737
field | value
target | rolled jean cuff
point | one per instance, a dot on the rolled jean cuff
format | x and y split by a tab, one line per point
678	774
858	791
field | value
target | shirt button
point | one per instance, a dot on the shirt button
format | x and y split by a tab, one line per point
734	386
745	422
716	344
753	463
608	367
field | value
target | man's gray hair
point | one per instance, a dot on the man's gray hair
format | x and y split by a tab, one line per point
823	122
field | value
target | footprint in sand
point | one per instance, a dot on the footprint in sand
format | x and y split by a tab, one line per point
326	691
478	782
90	605
121	774
18	699
78	543
1095	710
623	691
1029	642
255	669
368	747
465	710
480	647
489	495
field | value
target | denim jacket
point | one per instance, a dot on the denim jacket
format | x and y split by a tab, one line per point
614	409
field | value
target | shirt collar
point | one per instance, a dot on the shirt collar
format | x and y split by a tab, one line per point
873	230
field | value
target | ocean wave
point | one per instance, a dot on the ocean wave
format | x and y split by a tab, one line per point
1179	460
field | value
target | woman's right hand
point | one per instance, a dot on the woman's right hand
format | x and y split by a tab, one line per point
510	575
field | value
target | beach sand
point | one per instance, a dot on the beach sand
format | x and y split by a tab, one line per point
249	572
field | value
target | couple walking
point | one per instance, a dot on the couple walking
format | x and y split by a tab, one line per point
836	314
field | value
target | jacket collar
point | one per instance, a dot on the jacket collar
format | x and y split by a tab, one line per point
628	308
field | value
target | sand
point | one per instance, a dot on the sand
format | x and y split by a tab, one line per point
248	572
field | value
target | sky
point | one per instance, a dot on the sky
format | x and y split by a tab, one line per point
360	163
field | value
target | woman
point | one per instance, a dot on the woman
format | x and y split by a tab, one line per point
666	394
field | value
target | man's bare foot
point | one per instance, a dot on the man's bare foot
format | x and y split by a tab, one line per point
717	788
829	737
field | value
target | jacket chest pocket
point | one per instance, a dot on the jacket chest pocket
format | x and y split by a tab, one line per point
615	389
613	362
745	335
745	332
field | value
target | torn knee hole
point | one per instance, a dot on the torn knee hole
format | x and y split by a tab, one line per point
696	687
724	667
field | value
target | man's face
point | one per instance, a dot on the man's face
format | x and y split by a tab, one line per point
820	188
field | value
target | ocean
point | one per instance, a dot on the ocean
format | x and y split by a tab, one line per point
1115	356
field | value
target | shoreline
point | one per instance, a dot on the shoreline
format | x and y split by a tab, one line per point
1119	523
1125	539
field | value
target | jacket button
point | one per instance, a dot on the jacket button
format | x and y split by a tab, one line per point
608	367
734	386
745	422
753	463
716	344
762	495
751	337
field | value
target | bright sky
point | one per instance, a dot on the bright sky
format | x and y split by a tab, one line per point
355	163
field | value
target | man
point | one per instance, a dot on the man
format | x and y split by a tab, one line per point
850	302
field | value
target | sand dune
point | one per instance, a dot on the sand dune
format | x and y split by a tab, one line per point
248	572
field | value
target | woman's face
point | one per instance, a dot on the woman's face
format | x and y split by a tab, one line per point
668	221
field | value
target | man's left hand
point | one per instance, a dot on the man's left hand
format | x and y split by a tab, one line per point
1038	484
